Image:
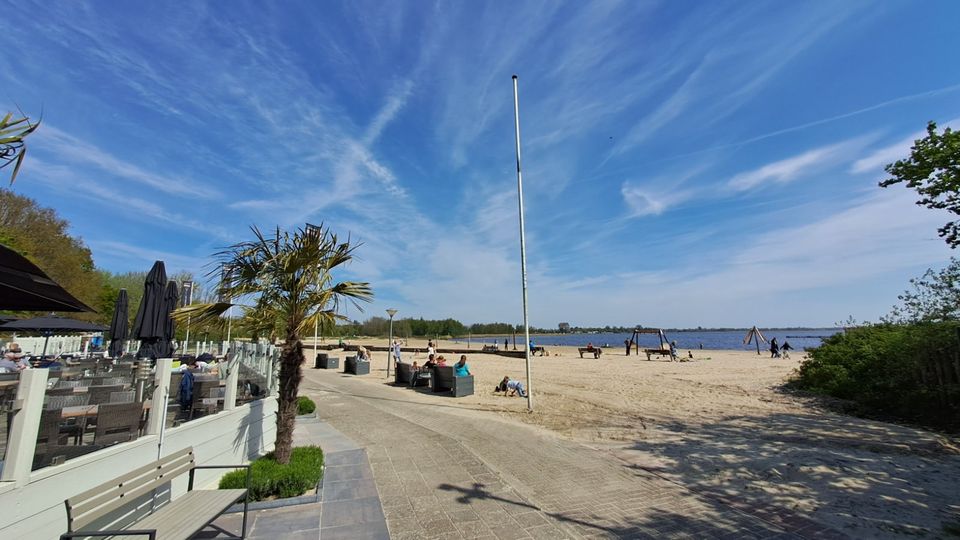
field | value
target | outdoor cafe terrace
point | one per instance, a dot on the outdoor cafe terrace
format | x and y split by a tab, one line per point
66	429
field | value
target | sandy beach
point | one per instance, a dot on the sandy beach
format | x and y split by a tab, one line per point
720	423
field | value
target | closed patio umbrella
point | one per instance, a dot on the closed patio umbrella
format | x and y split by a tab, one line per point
170	299
120	325
148	326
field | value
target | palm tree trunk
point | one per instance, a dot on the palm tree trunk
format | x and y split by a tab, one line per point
291	360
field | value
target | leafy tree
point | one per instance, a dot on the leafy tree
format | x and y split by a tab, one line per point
933	170
935	297
42	236
290	277
12	147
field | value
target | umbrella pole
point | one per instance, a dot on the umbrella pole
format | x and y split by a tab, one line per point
46	340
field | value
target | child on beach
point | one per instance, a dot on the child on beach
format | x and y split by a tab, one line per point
785	350
512	386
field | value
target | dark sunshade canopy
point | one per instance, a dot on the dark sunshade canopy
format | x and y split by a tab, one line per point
50	325
24	287
170	300
120	325
150	324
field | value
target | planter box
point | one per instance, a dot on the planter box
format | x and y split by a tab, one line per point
324	361
353	367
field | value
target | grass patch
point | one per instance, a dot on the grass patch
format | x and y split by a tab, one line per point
305	405
271	480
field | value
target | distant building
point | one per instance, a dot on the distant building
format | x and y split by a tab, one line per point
564	328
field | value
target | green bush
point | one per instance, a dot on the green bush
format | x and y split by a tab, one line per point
906	370
271	479
305	405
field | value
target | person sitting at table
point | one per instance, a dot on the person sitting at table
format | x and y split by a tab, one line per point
414	373
430	363
441	361
460	369
13	359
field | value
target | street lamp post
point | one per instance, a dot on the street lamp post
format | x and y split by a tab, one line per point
391	312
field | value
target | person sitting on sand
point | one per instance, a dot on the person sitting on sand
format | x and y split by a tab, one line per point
512	386
460	369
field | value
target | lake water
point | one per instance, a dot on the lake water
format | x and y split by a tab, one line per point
687	339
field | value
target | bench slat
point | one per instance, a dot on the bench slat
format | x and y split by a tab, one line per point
94	503
187	515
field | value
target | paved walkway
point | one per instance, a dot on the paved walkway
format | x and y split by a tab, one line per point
408	464
445	471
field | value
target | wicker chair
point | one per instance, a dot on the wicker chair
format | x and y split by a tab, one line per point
73	400
69	384
101	394
117	423
124	396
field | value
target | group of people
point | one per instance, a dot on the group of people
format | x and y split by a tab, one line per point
12	360
778	351
460	369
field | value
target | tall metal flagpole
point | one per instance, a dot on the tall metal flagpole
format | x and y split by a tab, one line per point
523	244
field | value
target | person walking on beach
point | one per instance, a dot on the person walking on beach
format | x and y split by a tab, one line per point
785	350
774	349
673	351
512	386
626	343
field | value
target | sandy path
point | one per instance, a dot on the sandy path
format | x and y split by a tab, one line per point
721	424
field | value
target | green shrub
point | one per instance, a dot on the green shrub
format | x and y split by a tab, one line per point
906	370
305	405
271	479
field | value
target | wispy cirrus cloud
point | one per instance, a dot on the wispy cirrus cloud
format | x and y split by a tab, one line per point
876	160
792	168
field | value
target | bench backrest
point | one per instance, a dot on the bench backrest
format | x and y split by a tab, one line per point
402	374
95	503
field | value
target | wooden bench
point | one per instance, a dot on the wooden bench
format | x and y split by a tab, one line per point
444	381
661	352
352	366
179	519
490	348
595	351
402	375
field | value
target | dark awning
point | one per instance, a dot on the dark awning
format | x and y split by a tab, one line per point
24	287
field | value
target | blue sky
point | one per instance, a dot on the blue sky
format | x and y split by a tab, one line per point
685	163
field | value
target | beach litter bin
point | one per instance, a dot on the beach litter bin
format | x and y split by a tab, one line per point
320	361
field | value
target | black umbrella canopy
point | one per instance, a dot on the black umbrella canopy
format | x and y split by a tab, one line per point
148	327
170	299
120	325
24	287
51	324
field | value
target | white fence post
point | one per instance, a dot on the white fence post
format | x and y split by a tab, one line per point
161	392
230	392
22	442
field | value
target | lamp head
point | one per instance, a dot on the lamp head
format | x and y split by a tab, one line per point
391	312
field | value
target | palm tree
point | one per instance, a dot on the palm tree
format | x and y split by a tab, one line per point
12	147
290	278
